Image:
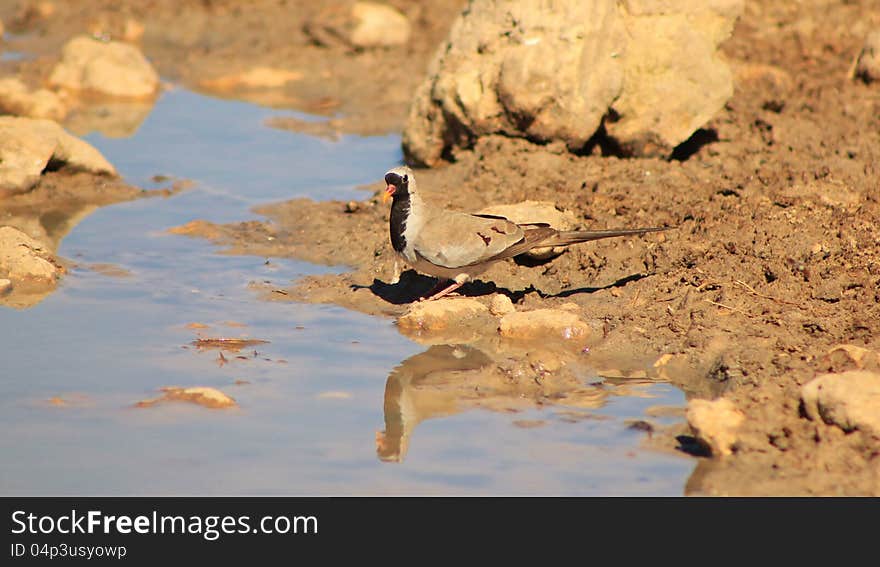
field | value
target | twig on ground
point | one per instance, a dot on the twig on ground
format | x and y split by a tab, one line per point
752	291
728	307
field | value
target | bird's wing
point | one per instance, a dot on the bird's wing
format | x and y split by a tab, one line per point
454	240
534	235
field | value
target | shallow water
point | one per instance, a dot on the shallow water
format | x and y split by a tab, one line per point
315	392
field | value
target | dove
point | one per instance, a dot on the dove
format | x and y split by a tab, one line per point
455	246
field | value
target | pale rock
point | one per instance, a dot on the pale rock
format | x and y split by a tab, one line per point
5	286
27	145
204	396
850	400
515	68
543	323
17	99
674	79
378	25
132	30
24	259
441	313
866	66
501	305
859	356
715	424
535	212
361	25
110	68
255	78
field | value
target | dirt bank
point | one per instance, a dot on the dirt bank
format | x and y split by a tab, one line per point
776	258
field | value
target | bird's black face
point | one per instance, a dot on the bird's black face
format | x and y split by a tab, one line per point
398	186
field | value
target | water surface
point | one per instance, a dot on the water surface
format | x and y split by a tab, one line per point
311	399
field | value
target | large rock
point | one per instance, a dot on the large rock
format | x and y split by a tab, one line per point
16	98
867	64
715	424
108	68
28	145
850	400
23	259
516	68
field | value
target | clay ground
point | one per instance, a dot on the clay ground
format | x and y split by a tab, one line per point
776	255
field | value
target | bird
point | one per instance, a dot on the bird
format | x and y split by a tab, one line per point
456	246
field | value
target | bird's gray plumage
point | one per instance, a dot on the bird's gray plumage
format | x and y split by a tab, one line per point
458	246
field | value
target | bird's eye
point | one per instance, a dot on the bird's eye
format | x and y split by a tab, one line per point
406	178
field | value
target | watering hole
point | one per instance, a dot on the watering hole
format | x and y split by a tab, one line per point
334	402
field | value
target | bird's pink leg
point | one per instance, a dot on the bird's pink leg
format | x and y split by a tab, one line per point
446	291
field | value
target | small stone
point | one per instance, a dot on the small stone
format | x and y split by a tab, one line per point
501	305
5	286
849	400
200	228
543	322
378	25
441	313
352	207
256	78
132	30
110	68
17	99
24	259
859	356
867	64
715	423
200	395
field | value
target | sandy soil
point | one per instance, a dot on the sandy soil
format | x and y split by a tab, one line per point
776	258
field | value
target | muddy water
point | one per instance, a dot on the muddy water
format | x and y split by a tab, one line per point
311	399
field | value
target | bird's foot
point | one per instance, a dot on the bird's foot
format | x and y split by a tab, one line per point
438	296
430	296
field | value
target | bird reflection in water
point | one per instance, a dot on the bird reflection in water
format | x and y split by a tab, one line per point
448	379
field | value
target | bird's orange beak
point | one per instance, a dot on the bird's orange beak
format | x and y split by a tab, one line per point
389	192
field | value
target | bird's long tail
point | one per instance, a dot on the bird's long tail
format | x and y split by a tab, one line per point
565	237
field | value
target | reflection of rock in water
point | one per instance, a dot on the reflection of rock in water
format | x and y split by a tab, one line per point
116	119
47	214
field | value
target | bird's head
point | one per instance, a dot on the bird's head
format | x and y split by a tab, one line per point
399	183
